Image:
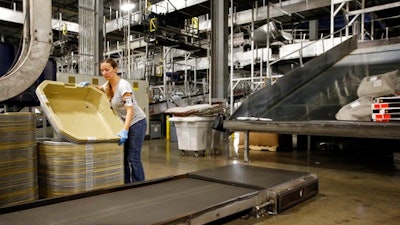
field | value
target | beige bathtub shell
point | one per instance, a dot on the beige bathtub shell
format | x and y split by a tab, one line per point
78	114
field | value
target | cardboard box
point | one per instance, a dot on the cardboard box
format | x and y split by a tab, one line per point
260	139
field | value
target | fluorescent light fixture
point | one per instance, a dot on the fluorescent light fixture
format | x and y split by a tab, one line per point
127	6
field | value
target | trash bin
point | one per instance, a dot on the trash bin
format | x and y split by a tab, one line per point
193	133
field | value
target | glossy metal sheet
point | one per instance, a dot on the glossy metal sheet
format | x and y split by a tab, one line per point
171	202
284	188
196	198
319	90
251	176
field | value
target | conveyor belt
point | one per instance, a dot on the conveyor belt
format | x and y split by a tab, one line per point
285	188
195	198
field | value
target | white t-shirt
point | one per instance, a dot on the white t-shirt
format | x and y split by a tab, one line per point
118	104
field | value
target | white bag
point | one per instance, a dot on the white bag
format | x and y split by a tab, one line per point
378	85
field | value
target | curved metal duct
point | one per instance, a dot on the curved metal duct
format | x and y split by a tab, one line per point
260	34
33	59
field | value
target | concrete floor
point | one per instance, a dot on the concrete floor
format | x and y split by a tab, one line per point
355	187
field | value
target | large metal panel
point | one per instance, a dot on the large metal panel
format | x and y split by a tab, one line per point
250	176
306	100
321	88
172	202
284	188
302	92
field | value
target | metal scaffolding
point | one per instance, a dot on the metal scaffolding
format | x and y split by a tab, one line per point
87	34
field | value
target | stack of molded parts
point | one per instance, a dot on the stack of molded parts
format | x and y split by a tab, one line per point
386	109
67	168
195	198
88	156
18	159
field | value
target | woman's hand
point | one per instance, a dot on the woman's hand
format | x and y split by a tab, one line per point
123	136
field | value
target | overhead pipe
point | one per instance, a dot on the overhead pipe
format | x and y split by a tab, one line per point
30	64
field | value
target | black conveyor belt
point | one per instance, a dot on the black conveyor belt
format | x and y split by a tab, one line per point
285	188
250	176
198	197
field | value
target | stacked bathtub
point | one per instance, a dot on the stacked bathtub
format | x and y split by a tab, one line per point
18	160
67	168
85	156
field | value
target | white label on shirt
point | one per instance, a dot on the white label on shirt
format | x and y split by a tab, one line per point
128	102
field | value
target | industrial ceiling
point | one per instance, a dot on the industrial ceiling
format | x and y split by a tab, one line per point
384	13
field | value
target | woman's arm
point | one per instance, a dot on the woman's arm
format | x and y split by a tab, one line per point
129	110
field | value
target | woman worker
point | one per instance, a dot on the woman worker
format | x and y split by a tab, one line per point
132	135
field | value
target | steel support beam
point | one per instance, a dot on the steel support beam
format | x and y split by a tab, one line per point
374	8
219	49
101	36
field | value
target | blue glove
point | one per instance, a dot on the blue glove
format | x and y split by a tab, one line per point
123	136
84	84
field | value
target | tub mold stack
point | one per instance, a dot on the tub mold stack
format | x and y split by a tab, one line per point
84	155
18	158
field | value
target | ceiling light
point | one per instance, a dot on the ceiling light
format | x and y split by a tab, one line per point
127	6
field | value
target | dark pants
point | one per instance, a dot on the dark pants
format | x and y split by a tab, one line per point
132	152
